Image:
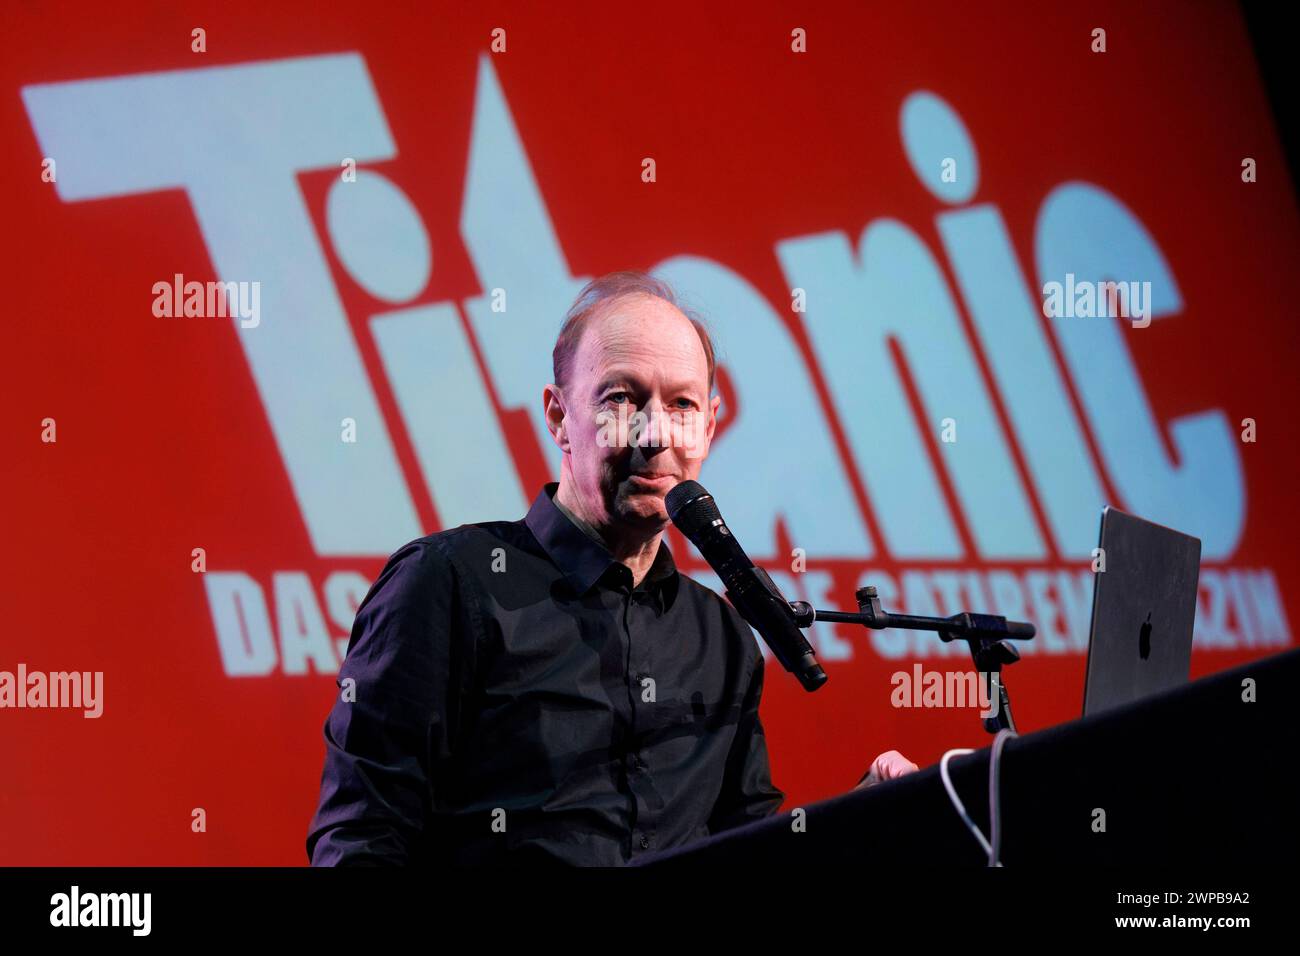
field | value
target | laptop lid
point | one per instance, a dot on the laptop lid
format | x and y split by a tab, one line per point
1143	611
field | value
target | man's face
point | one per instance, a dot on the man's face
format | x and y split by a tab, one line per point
640	362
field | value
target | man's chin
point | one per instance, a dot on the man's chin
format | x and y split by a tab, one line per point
645	507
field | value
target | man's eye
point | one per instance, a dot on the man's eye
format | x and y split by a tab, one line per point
618	397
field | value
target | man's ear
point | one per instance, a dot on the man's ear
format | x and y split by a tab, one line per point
702	439
553	409
714	402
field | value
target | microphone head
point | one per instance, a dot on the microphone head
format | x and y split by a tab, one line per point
691	508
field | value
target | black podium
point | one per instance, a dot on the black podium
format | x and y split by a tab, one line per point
1196	776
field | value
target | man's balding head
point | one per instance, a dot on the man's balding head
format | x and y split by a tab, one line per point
627	351
595	300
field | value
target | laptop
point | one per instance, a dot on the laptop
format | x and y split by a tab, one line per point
1143	611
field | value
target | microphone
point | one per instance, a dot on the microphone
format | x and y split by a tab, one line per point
749	588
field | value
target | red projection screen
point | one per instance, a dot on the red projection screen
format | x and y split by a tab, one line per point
897	408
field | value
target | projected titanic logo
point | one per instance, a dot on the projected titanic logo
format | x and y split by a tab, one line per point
235	138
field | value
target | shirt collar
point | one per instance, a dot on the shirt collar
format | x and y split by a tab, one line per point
584	560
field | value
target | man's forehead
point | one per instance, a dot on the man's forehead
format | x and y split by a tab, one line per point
633	339
638	315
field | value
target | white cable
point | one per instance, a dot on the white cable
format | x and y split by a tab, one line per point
995	802
991	850
956	800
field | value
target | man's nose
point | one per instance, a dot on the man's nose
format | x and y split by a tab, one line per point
650	435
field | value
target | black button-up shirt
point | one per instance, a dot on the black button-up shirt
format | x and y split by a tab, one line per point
509	696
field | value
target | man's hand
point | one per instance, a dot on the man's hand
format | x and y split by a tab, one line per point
887	766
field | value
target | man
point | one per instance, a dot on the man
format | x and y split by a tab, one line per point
552	689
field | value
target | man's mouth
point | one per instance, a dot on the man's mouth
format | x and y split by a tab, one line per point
654	480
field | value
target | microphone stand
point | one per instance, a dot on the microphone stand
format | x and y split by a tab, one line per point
988	636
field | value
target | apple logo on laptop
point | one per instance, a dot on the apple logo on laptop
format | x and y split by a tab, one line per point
1144	638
